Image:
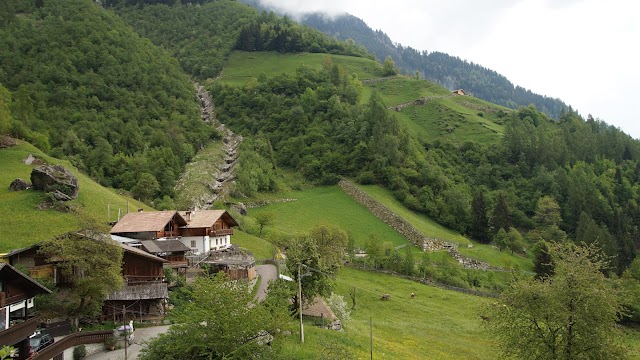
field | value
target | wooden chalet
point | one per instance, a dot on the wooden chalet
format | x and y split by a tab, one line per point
144	291
149	225
17	292
459	92
207	230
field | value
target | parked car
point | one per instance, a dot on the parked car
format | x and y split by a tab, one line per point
39	341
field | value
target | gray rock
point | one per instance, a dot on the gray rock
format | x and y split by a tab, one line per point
60	196
52	178
18	185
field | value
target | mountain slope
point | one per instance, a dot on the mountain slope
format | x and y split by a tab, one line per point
25	224
444	69
98	94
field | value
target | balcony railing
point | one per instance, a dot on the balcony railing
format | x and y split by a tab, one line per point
221	232
75	339
19	332
132	279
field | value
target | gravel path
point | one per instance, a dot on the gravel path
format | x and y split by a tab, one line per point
267	273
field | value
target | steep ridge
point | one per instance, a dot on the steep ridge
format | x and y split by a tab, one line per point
215	174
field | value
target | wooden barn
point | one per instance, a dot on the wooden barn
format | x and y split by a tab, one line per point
459	92
144	291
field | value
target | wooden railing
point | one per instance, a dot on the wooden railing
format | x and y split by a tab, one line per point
133	279
75	339
41	272
19	332
221	232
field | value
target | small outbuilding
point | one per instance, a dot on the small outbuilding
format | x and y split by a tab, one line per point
459	92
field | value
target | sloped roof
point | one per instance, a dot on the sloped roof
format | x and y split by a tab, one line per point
206	218
146	221
158	246
137	251
318	309
8	272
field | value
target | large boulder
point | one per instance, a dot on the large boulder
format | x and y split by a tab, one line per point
18	185
52	178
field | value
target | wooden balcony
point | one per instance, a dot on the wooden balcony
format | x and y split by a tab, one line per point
133	280
42	272
19	332
221	232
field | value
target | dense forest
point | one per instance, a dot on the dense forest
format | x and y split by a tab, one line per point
84	86
201	36
444	69
583	172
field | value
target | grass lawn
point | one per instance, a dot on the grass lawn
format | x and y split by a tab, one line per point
329	205
24	224
436	324
244	66
261	249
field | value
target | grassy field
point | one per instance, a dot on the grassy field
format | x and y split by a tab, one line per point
436	324
329	205
260	248
244	66
403	89
430	228
24	224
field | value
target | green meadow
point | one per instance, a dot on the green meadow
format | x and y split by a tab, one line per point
244	66
25	224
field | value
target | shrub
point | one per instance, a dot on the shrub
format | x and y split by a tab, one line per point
79	352
110	343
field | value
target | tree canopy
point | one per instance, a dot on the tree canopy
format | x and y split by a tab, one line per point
569	315
220	320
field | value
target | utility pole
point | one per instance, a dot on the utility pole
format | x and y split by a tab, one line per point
300	303
126	332
371	336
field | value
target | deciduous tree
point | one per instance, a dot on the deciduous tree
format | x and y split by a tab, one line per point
221	321
570	315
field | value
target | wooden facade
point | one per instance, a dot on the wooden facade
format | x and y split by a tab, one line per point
17	292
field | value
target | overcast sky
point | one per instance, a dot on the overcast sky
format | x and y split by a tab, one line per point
584	52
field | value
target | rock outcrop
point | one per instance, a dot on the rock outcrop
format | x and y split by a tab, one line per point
55	179
18	185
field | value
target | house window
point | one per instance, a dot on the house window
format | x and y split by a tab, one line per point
193	243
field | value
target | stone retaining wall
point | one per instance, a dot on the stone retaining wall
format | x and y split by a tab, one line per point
409	231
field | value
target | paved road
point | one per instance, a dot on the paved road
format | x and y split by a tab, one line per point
267	273
142	335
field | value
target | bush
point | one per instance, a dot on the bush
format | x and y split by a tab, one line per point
110	343
79	352
366	178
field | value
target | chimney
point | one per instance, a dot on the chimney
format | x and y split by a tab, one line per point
188	214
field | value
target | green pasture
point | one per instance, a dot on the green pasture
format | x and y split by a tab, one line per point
328	205
243	66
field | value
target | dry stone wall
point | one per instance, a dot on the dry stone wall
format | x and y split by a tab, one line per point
409	231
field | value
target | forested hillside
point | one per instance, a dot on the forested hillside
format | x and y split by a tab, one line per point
201	36
584	172
444	69
85	87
